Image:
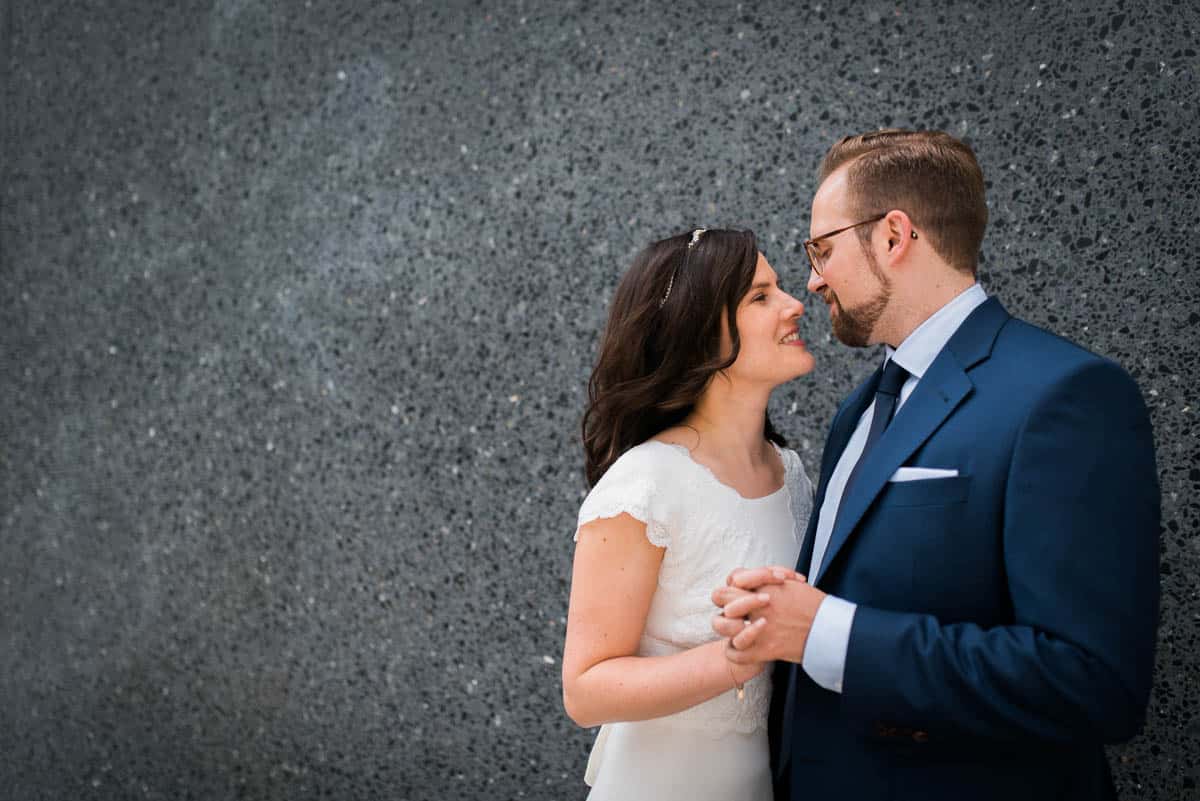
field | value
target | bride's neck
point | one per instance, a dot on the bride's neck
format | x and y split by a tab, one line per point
731	422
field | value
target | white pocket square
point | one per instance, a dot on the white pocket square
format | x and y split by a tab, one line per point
921	473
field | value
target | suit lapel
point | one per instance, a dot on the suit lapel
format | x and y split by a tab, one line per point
939	392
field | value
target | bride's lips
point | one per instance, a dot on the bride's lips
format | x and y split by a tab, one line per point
797	342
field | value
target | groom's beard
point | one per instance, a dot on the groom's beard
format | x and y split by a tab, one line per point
854	326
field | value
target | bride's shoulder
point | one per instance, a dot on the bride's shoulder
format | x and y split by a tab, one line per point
793	469
680	436
643	483
791	459
648	459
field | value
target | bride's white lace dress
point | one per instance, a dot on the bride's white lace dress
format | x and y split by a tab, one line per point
717	749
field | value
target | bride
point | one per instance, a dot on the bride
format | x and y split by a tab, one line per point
689	480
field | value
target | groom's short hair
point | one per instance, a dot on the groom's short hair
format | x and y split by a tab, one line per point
929	175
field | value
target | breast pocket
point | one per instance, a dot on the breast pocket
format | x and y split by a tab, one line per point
950	560
926	492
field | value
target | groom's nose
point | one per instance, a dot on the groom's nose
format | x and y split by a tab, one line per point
815	282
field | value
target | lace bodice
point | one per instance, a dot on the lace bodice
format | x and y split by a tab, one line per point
708	529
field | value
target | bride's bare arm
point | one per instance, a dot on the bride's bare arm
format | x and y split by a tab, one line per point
613	582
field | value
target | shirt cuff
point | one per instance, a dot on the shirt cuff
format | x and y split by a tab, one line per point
825	651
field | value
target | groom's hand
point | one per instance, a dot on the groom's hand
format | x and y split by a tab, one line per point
770	623
740	597
741	608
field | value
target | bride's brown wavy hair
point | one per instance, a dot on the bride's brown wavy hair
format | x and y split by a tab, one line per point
655	362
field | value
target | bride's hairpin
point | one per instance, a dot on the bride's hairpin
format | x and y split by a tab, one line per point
695	238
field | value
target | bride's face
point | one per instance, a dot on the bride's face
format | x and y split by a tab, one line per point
771	349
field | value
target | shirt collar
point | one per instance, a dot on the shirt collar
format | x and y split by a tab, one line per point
921	347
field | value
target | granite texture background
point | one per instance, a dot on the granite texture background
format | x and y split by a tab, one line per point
298	302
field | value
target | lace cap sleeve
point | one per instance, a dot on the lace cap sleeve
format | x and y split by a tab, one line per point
796	476
636	484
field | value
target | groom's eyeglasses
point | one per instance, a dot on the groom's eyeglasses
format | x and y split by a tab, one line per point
815	257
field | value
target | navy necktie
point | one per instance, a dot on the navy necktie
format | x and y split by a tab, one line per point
886	397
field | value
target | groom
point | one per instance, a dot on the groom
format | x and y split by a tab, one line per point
979	616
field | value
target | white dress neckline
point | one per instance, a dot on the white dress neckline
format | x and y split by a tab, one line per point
713	476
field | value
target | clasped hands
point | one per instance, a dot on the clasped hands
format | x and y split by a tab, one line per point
766	614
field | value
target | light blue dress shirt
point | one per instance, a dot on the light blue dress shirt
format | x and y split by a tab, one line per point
825	650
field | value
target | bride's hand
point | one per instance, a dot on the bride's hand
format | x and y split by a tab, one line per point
743	673
752	579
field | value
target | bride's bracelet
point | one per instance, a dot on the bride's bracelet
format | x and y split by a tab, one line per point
741	688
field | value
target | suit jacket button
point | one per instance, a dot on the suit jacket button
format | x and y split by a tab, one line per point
920	736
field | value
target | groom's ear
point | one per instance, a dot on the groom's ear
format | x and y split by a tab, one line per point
899	232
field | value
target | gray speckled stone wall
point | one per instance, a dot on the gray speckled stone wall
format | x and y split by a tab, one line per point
298	301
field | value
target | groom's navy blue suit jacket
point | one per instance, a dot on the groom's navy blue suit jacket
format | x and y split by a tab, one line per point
1006	617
